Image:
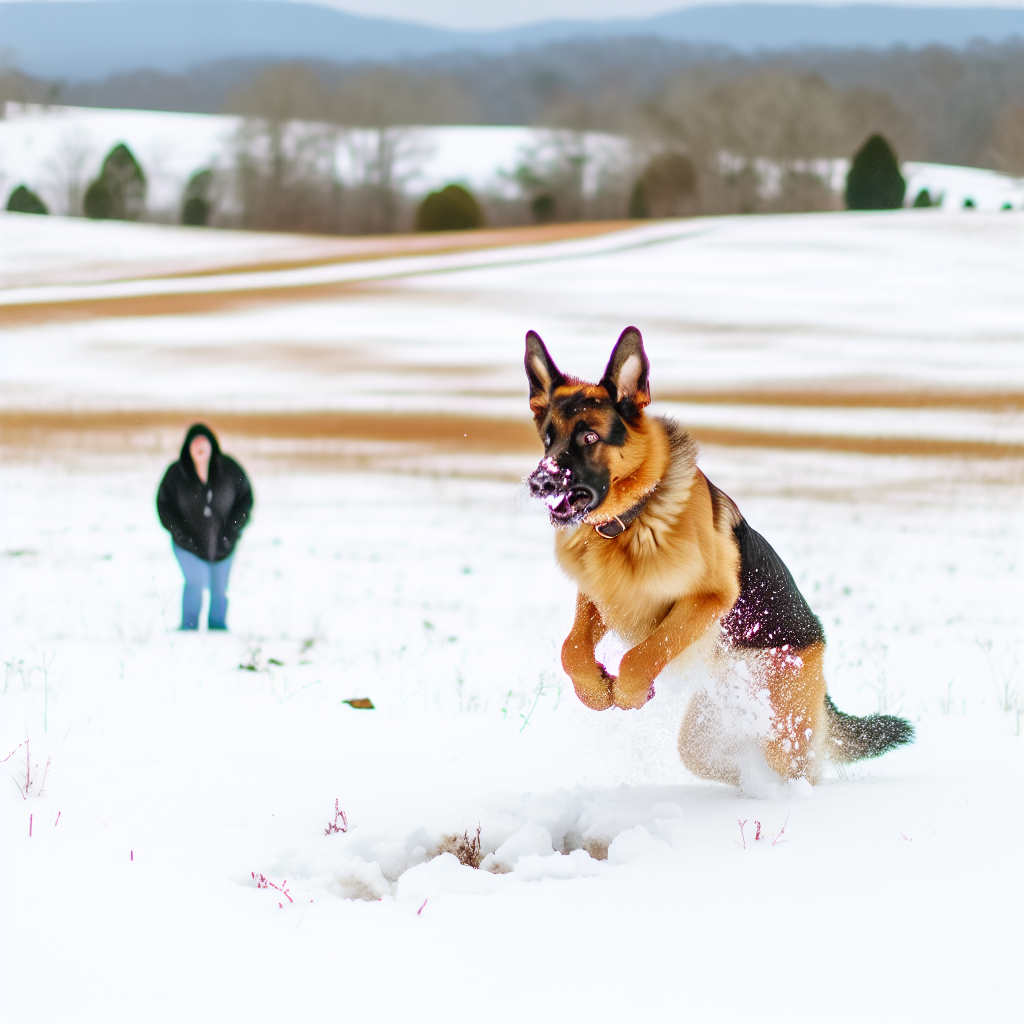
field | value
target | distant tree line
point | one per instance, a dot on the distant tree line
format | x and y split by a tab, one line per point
704	143
293	193
329	149
954	106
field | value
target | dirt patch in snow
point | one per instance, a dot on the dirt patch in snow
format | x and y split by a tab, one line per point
873	396
110	428
116	430
428	244
353	250
166	305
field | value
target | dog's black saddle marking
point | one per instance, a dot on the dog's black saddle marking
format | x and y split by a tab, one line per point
770	611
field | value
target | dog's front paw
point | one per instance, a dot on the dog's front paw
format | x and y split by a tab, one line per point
596	695
631	698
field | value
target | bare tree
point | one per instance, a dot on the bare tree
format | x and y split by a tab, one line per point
758	141
284	92
379	108
66	170
285	158
1006	143
368	116
571	172
285	176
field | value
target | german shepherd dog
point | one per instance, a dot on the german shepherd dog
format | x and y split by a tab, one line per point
664	559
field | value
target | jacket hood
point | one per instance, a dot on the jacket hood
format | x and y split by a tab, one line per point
194	431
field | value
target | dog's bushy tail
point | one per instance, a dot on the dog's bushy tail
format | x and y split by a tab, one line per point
855	739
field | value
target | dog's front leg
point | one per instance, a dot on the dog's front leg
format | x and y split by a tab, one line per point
686	623
589	678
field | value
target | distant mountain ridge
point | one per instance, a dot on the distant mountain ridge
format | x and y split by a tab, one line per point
80	41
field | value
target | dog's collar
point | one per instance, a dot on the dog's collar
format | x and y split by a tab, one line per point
618	524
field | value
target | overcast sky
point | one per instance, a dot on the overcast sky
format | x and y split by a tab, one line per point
494	14
488	14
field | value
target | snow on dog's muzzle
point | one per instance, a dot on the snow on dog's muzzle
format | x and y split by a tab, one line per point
567	503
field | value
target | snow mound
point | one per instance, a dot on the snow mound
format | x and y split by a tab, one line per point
562	835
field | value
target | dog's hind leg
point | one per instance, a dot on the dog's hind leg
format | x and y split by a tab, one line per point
772	701
796	686
704	745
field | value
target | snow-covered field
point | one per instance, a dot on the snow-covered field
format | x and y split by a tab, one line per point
884	305
624	889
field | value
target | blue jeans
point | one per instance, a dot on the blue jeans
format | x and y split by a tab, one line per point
199	576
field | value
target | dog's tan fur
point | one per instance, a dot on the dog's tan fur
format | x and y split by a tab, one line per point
666	582
662	586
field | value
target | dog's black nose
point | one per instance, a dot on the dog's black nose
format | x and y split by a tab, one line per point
548	479
543	485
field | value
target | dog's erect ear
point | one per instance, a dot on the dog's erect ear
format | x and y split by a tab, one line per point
542	373
626	375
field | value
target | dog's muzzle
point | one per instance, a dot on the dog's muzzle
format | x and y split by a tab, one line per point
567	502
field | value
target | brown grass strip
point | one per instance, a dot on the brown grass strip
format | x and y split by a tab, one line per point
228	299
167	305
843	398
438	431
379	247
447	433
863	445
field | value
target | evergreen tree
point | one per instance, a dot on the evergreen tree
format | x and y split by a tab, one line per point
874	181
119	193
452	209
24	200
639	208
544	208
197	204
923	199
97	203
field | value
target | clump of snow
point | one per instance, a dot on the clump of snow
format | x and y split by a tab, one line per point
633	844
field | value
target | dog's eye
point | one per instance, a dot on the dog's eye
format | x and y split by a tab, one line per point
549	438
589	437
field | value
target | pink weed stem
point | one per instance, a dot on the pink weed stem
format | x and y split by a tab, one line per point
333	826
420	911
262	882
14	751
30	826
781	830
742	836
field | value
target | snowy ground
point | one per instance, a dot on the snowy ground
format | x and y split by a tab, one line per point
624	889
176	774
911	300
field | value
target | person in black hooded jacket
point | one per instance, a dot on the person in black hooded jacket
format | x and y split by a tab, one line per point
204	503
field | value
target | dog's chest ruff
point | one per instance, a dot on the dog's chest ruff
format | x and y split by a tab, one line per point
635	578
